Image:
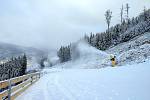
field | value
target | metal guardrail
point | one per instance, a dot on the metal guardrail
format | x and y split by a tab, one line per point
10	89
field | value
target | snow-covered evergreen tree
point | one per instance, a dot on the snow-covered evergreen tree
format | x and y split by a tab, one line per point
123	32
64	53
13	68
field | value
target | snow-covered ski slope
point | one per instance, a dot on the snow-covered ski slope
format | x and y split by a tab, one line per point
84	78
85	56
130	82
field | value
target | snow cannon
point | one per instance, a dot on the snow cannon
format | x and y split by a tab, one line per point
113	60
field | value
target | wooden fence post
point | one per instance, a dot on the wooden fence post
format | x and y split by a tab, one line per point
9	90
31	79
9	85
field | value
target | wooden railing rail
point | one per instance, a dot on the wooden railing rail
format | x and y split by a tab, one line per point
15	86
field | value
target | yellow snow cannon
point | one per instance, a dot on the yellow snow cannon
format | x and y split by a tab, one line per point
113	60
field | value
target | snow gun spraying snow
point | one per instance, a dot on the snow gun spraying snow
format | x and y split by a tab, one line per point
113	60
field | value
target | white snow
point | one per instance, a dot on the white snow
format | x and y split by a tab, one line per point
136	55
137	50
84	78
130	82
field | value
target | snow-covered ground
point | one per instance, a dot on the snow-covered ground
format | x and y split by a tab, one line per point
84	78
136	50
130	82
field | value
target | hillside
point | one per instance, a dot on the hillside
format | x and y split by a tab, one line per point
10	50
129	41
134	51
85	56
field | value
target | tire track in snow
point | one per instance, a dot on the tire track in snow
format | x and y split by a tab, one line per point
63	90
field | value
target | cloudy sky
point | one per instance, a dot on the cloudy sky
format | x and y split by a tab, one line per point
52	23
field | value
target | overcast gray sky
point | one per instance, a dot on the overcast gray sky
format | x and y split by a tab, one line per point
52	23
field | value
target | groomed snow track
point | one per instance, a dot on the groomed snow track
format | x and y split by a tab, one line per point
129	82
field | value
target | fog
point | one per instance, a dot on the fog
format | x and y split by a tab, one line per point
52	23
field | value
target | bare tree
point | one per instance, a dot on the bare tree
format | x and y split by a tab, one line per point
144	11
121	14
108	16
127	11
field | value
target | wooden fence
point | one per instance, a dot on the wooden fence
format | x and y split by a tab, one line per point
10	89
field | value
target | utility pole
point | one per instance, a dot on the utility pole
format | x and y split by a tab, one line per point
121	14
144	11
127	11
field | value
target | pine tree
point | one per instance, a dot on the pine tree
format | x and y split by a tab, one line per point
24	64
64	53
16	66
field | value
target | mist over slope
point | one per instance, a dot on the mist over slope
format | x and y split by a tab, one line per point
83	55
10	50
84	50
86	56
